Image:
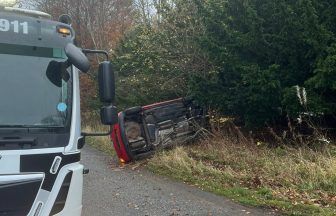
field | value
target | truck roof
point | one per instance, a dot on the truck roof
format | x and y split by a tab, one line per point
26	12
32	30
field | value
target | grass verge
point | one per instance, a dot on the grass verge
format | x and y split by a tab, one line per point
293	181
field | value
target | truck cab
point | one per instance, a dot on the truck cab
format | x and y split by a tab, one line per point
40	125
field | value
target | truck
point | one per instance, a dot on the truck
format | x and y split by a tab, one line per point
40	120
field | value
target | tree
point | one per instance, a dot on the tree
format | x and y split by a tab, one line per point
157	59
260	49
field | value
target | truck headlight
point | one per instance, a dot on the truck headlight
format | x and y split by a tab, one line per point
7	3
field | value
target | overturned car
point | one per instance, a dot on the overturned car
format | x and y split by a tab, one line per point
141	131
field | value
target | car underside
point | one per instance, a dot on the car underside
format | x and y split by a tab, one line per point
142	131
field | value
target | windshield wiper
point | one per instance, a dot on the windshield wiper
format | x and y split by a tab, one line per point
12	126
31	126
45	126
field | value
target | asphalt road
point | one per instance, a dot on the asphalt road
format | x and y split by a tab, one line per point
110	191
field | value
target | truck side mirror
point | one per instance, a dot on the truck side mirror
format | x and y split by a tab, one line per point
106	81
109	115
77	57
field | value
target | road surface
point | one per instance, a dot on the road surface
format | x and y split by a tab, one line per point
109	191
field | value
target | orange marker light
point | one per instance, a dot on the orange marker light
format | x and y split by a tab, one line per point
64	31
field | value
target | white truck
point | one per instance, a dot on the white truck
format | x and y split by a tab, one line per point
40	125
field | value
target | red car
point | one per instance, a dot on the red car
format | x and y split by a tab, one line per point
143	130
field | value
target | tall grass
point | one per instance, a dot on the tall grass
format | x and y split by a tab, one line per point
298	181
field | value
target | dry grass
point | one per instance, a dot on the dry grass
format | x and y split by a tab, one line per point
295	181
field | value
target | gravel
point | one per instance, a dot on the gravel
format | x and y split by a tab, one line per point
109	190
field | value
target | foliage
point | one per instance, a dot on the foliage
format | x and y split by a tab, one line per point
142	71
262	49
240	57
156	61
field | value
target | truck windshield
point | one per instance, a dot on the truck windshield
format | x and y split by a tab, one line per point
36	87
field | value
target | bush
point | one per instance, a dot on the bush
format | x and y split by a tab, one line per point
240	57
